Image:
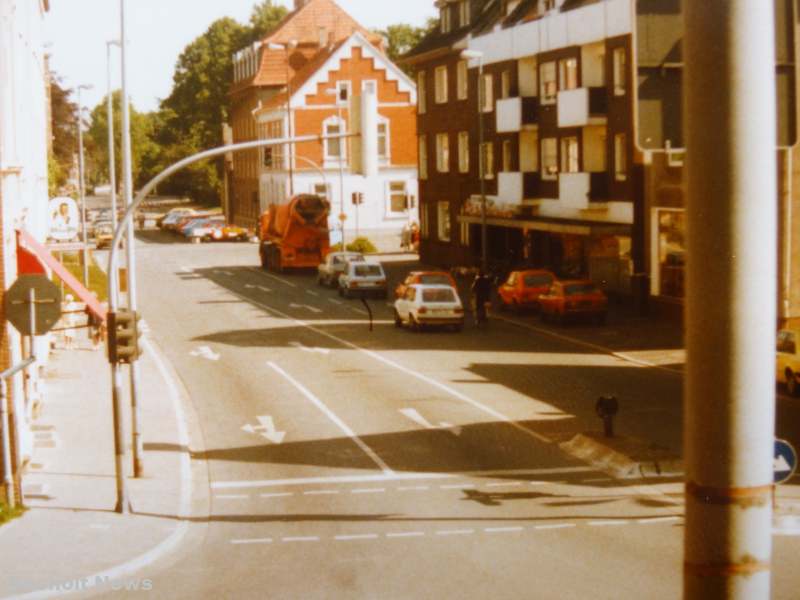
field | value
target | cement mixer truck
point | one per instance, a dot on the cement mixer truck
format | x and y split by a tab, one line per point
294	235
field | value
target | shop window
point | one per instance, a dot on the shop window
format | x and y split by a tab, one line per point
671	252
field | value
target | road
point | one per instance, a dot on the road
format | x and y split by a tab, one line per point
344	462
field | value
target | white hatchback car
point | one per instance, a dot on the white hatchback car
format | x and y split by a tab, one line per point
422	305
360	278
328	272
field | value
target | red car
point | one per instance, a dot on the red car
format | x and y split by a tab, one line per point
523	288
574	298
425	278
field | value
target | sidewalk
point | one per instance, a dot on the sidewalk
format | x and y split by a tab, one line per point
70	539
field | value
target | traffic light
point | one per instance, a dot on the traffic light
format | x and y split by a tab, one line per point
358	198
123	337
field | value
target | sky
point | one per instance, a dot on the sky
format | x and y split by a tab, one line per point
159	30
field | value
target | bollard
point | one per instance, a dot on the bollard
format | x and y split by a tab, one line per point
607	407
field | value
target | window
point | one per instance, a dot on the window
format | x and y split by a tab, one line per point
421	93
487	160
620	157
568	74
461	80
486	93
397	197
463	13
383	139
423	157
620	75
443	221
424	222
322	189
343	89
507	156
548	86
446	25
463	152
549	156
465	234
334	149
505	84
442	152
569	155
440	85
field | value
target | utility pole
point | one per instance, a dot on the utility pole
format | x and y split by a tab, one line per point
729	96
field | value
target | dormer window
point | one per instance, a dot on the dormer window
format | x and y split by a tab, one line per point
463	13
446	25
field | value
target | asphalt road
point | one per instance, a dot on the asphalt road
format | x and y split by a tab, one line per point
345	462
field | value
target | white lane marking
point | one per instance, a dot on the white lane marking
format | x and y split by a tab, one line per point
361	536
334	301
413	414
388	477
413	488
300	346
455	532
187	269
333	417
277	495
266	429
406	534
231	497
608	523
320	492
312	293
205	352
458	486
555	526
308	538
655	520
368	491
249	286
252	541
271	276
503	529
306	306
264	289
505	484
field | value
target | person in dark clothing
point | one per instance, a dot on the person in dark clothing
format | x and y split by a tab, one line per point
481	292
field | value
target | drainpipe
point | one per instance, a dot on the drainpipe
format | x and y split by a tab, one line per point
5	423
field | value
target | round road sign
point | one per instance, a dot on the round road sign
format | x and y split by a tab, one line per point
785	461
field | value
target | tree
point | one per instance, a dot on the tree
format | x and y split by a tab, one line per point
65	135
264	18
401	38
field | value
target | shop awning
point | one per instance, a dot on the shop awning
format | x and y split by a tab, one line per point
573	227
34	257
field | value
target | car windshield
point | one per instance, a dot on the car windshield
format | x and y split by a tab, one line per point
435	279
368	271
540	280
438	295
579	289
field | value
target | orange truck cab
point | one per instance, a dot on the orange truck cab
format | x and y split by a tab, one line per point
294	235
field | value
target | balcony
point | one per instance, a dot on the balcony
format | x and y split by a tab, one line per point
513	114
582	106
510	187
579	190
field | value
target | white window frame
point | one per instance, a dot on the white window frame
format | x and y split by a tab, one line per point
444	226
486	93
442	152
549	171
387	154
462	80
423	157
545	83
486	152
342	124
389	193
463	151
619	70
422	93
620	157
343	85
440	81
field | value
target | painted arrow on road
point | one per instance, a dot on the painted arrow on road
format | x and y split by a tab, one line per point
307	349
414	415
266	429
306	306
205	352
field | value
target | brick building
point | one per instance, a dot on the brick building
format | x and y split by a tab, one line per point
301	80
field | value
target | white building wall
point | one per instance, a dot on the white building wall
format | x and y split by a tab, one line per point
23	155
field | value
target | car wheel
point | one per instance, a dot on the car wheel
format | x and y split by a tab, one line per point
415	326
398	322
791	383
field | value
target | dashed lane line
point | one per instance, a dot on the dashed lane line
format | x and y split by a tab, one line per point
252	541
277	495
504	484
555	526
271	276
307	538
455	532
368	491
608	523
358	536
503	529
406	534
320	492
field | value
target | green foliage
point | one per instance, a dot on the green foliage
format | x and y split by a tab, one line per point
65	134
56	177
98	280
264	18
6	514
363	245
401	38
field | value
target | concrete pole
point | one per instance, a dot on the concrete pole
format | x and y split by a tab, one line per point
341	174
127	175
82	188
731	298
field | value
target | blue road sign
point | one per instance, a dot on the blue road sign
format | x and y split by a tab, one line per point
785	461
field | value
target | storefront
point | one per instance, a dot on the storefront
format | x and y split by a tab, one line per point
668	252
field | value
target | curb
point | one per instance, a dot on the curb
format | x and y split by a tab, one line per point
619	465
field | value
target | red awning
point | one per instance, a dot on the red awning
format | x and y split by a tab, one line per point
34	257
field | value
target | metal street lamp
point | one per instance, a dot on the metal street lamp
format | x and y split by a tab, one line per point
82	184
287	47
482	166
334	92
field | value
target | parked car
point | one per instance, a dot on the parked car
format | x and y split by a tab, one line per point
425	305
221	232
328	272
424	277
361	278
573	298
172	216
202	229
787	360
522	289
103	234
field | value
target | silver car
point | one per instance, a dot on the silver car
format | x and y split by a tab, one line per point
328	272
361	278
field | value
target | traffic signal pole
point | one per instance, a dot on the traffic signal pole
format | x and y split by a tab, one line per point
731	297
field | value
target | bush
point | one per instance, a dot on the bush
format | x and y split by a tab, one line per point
98	281
6	514
361	244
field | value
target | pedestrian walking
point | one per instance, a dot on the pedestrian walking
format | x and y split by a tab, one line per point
415	236
97	328
481	292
